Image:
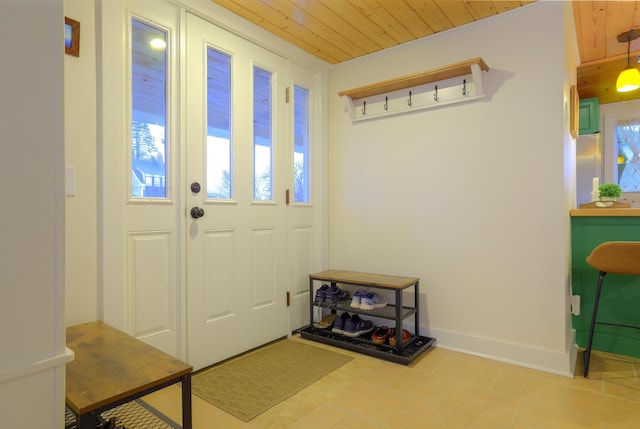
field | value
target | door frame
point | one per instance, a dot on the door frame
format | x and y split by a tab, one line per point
111	56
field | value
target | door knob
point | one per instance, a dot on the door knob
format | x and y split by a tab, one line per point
197	212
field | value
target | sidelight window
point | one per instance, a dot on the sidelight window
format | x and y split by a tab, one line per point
262	135
301	145
148	111
219	139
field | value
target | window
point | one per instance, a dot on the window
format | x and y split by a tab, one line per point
262	135
628	159
219	143
148	111
301	145
621	148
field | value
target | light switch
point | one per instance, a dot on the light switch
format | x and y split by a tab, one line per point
70	181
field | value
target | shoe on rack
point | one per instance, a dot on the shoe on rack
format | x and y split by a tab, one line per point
326	321
321	293
338	324
406	336
371	301
380	335
355	300
334	294
356	326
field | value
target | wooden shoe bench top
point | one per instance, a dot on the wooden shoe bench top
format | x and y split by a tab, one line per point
395	311
365	279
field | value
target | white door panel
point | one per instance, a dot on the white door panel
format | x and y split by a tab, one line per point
235	252
301	259
140	236
304	242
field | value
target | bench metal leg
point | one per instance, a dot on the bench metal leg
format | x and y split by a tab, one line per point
186	402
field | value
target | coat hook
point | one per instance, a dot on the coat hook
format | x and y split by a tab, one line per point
409	100
435	95
364	108
386	103
464	87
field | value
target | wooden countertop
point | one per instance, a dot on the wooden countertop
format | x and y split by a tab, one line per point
605	211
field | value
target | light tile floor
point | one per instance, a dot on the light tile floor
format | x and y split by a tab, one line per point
443	389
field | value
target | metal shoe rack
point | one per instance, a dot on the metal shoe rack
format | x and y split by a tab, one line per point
396	311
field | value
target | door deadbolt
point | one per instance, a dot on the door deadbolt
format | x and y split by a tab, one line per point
195	187
197	212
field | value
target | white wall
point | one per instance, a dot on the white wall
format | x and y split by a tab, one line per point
32	247
493	269
472	198
80	154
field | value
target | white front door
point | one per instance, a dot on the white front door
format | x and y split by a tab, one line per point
208	108
236	218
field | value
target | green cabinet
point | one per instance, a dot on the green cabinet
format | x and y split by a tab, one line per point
589	116
620	296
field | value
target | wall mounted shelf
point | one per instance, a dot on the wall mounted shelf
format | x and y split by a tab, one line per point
456	83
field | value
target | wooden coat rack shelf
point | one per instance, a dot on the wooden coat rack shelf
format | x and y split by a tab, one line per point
456	83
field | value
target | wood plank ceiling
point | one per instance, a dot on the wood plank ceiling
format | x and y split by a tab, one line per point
339	30
602	57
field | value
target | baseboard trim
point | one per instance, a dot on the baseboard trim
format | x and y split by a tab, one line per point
555	362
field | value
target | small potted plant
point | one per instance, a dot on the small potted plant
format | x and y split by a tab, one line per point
609	191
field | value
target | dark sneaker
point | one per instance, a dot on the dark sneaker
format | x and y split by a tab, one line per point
380	335
335	294
338	324
321	293
356	326
372	300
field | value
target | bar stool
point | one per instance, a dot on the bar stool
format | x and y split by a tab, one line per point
620	257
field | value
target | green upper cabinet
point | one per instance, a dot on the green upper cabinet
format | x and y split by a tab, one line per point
589	116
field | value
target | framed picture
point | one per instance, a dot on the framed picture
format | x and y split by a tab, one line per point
71	37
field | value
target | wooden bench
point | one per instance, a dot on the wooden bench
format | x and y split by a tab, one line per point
112	368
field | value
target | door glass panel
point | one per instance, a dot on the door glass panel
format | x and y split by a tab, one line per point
148	111
219	143
301	145
262	136
628	161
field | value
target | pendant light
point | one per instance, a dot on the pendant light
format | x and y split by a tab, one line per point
629	78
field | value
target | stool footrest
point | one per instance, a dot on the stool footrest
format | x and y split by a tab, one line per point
617	324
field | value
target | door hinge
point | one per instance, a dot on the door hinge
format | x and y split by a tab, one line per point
286	196
286	95
288	299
